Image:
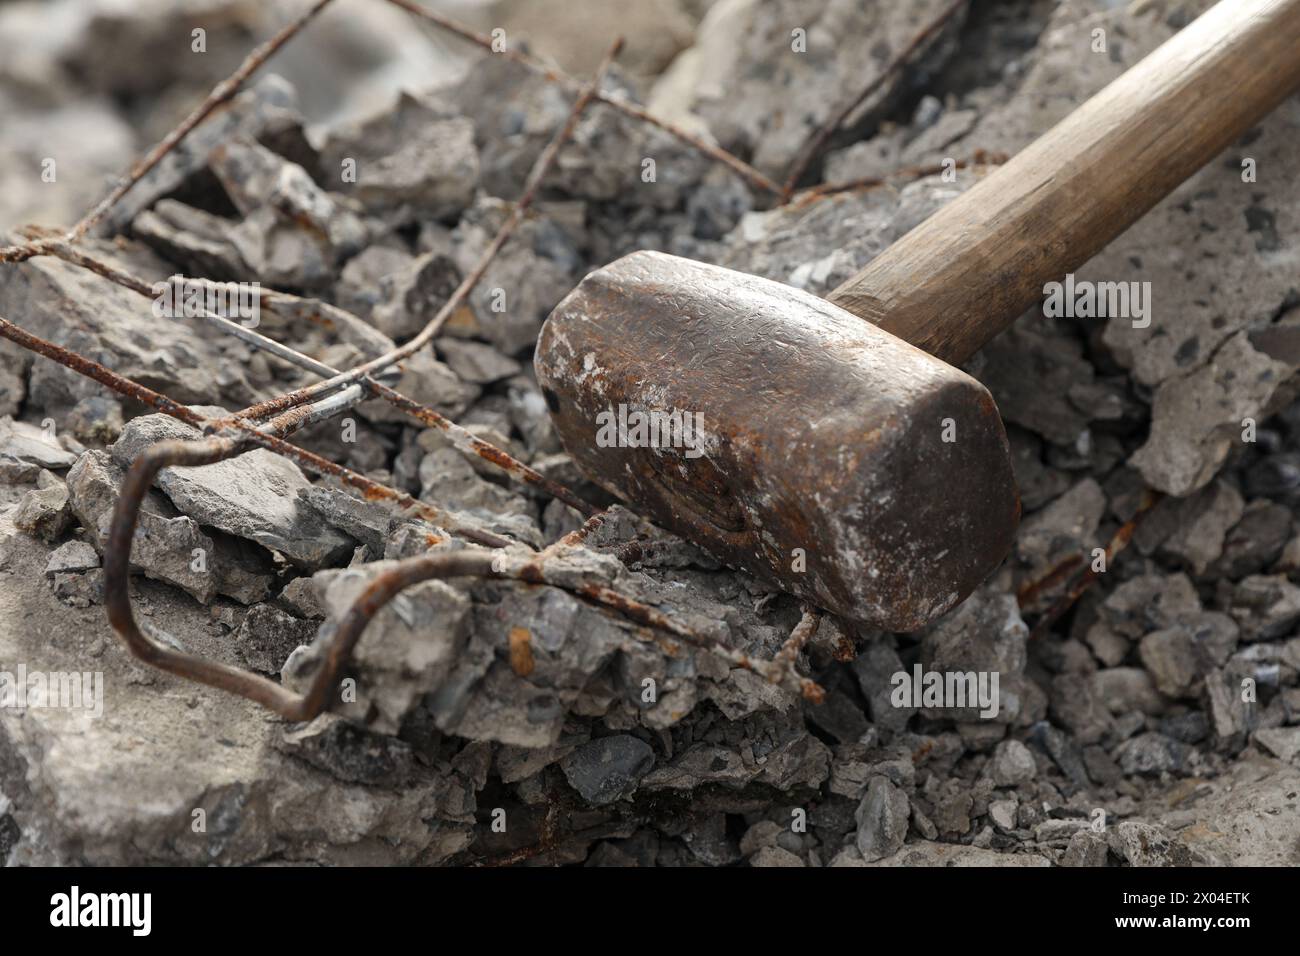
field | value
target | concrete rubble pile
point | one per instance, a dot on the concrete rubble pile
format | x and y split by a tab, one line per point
493	718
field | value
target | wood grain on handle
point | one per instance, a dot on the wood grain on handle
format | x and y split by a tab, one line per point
964	274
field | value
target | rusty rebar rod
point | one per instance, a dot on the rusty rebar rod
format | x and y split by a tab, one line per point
803	632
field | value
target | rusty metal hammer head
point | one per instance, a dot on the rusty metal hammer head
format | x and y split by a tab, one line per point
783	434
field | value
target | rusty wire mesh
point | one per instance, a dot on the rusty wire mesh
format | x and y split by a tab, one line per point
268	423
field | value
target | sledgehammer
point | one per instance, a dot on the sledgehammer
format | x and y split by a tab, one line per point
850	462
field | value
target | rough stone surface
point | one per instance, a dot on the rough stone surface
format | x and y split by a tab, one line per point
252	496
608	768
729	79
44	510
165	543
882	820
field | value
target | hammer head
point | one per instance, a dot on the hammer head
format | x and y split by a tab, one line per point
782	434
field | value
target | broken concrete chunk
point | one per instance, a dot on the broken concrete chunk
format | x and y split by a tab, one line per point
362	284
300	598
252	496
523	285
365	521
608	768
293	233
1011	764
1200	525
746	59
1108	647
1265	606
1030	369
406	651
80	589
1067	526
267	636
882	820
1149	603
168	547
431	175
1143	844
1074	706
200	243
415	161
351	753
87	313
476	362
43	511
1256	541
1197	419
984	635
96	418
1282	742
449	479
1174	660
1231	716
1153	753
1127	689
71	557
22	442
409	296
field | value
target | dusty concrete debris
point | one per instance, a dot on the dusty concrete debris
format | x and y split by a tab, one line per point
406	296
518	291
252	496
293	231
365	521
22	442
1062	529
1200	525
723	81
476	362
267	636
1265	606
44	510
415	160
882	820
1012	764
70	557
96	418
82	310
984	635
165	543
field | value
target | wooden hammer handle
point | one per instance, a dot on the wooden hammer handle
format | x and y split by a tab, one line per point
968	271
